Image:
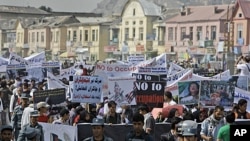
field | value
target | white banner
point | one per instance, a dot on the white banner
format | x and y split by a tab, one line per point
173	88
16	59
171	79
36	58
174	68
242	94
54	82
58	132
86	89
3	64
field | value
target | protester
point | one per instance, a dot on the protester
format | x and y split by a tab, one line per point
171	135
98	131
224	131
172	113
168	99
32	130
245	67
127	114
112	117
42	107
85	117
64	117
211	125
149	121
138	132
17	114
15	99
241	112
26	114
6	133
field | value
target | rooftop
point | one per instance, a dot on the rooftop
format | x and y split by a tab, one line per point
22	10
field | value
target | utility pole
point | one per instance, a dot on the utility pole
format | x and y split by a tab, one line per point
229	43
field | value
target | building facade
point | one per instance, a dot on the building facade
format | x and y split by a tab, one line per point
196	32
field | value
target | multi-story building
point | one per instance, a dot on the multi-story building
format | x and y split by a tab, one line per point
135	32
21	42
196	32
241	22
89	38
49	34
7	36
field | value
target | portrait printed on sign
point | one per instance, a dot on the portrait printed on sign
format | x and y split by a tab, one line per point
121	90
189	92
218	93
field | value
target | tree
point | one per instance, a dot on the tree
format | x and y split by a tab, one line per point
44	8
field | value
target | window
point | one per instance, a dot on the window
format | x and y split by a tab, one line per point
80	35
57	36
74	35
240	15
183	32
170	33
96	38
33	37
141	22
191	33
86	35
93	35
213	32
29	37
133	33
141	33
134	12
126	23
154	33
172	49
18	37
69	35
199	33
42	37
126	33
37	36
134	22
239	30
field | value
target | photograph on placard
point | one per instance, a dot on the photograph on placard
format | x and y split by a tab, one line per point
121	90
189	92
219	93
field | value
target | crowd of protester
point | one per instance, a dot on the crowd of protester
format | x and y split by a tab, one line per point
20	117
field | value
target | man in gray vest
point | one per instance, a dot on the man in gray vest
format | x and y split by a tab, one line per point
33	130
98	131
17	114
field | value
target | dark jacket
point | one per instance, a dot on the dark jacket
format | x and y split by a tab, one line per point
114	120
143	137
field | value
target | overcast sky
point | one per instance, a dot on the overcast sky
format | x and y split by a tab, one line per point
56	5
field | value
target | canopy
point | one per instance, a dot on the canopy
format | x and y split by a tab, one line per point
68	55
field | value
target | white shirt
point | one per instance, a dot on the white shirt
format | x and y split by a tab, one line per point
170	103
244	70
26	115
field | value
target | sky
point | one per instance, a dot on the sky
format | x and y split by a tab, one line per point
56	5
